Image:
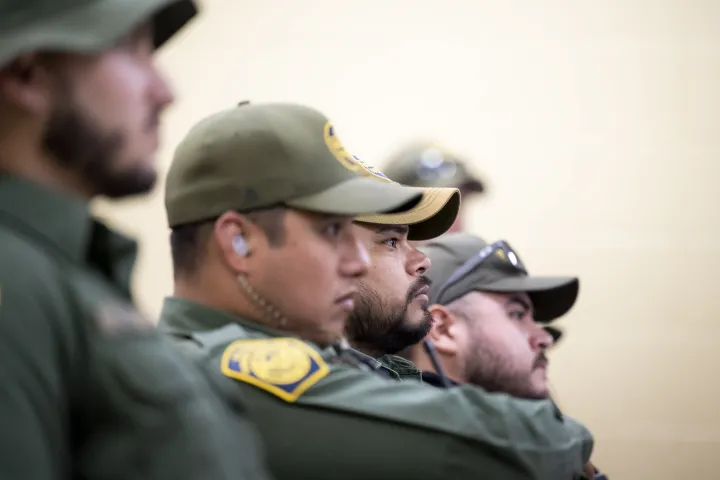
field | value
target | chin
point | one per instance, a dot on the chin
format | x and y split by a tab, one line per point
416	314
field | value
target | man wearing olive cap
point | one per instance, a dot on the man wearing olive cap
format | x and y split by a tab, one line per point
482	295
491	319
261	201
391	307
89	389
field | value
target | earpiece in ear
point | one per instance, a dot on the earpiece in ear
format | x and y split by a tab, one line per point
239	245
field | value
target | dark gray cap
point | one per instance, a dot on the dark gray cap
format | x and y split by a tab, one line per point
501	271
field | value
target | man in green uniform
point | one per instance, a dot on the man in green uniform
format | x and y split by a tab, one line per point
261	201
89	389
490	318
391	307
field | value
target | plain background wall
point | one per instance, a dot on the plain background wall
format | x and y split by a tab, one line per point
596	124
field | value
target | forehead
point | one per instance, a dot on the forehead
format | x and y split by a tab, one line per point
371	229
301	217
480	299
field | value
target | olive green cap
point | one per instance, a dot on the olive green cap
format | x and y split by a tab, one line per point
83	26
500	272
257	156
426	164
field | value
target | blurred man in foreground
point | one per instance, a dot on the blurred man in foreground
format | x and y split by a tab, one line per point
89	389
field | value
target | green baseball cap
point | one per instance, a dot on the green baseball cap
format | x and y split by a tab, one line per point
463	263
83	26
256	156
426	164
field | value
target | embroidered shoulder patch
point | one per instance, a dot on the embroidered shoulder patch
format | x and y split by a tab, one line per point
285	367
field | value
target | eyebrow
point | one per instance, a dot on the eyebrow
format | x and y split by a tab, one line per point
398	229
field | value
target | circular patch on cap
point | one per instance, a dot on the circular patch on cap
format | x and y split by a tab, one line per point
351	162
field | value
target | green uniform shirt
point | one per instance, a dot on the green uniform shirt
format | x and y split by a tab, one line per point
321	416
88	388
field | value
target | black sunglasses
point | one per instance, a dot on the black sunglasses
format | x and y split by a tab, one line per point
501	247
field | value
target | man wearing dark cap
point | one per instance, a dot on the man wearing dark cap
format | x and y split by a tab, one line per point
482	295
89	389
426	164
491	319
261	200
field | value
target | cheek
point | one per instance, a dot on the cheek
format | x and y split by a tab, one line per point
113	91
507	337
312	271
387	277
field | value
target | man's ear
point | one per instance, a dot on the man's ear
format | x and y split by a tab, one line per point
444	330
27	84
236	237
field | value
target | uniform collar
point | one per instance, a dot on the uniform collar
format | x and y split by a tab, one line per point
402	366
435	380
187	316
57	219
65	227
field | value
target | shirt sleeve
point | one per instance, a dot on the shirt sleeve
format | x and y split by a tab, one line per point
32	394
529	434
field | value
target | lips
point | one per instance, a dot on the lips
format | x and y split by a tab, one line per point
541	362
422	291
347	297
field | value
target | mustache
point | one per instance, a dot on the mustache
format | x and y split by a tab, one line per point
540	361
416	286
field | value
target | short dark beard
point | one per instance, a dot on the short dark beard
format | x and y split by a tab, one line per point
492	371
77	144
378	328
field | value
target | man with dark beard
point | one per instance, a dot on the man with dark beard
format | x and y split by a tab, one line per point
491	319
391	307
89	389
489	316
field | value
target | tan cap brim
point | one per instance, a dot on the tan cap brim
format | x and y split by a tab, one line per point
360	196
430	218
95	26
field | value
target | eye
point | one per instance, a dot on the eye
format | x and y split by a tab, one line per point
392	242
333	229
517	314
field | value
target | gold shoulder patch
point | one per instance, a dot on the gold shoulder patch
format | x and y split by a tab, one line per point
285	367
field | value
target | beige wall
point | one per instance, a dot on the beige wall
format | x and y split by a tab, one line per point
594	122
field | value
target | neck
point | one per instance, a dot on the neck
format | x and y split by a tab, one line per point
21	157
200	290
421	360
367	350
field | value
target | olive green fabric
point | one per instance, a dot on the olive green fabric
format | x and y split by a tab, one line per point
89	388
425	164
83	25
552	297
351	423
256	156
404	368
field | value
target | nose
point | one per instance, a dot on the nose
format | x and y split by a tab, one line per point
355	259
160	89
417	263
539	338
